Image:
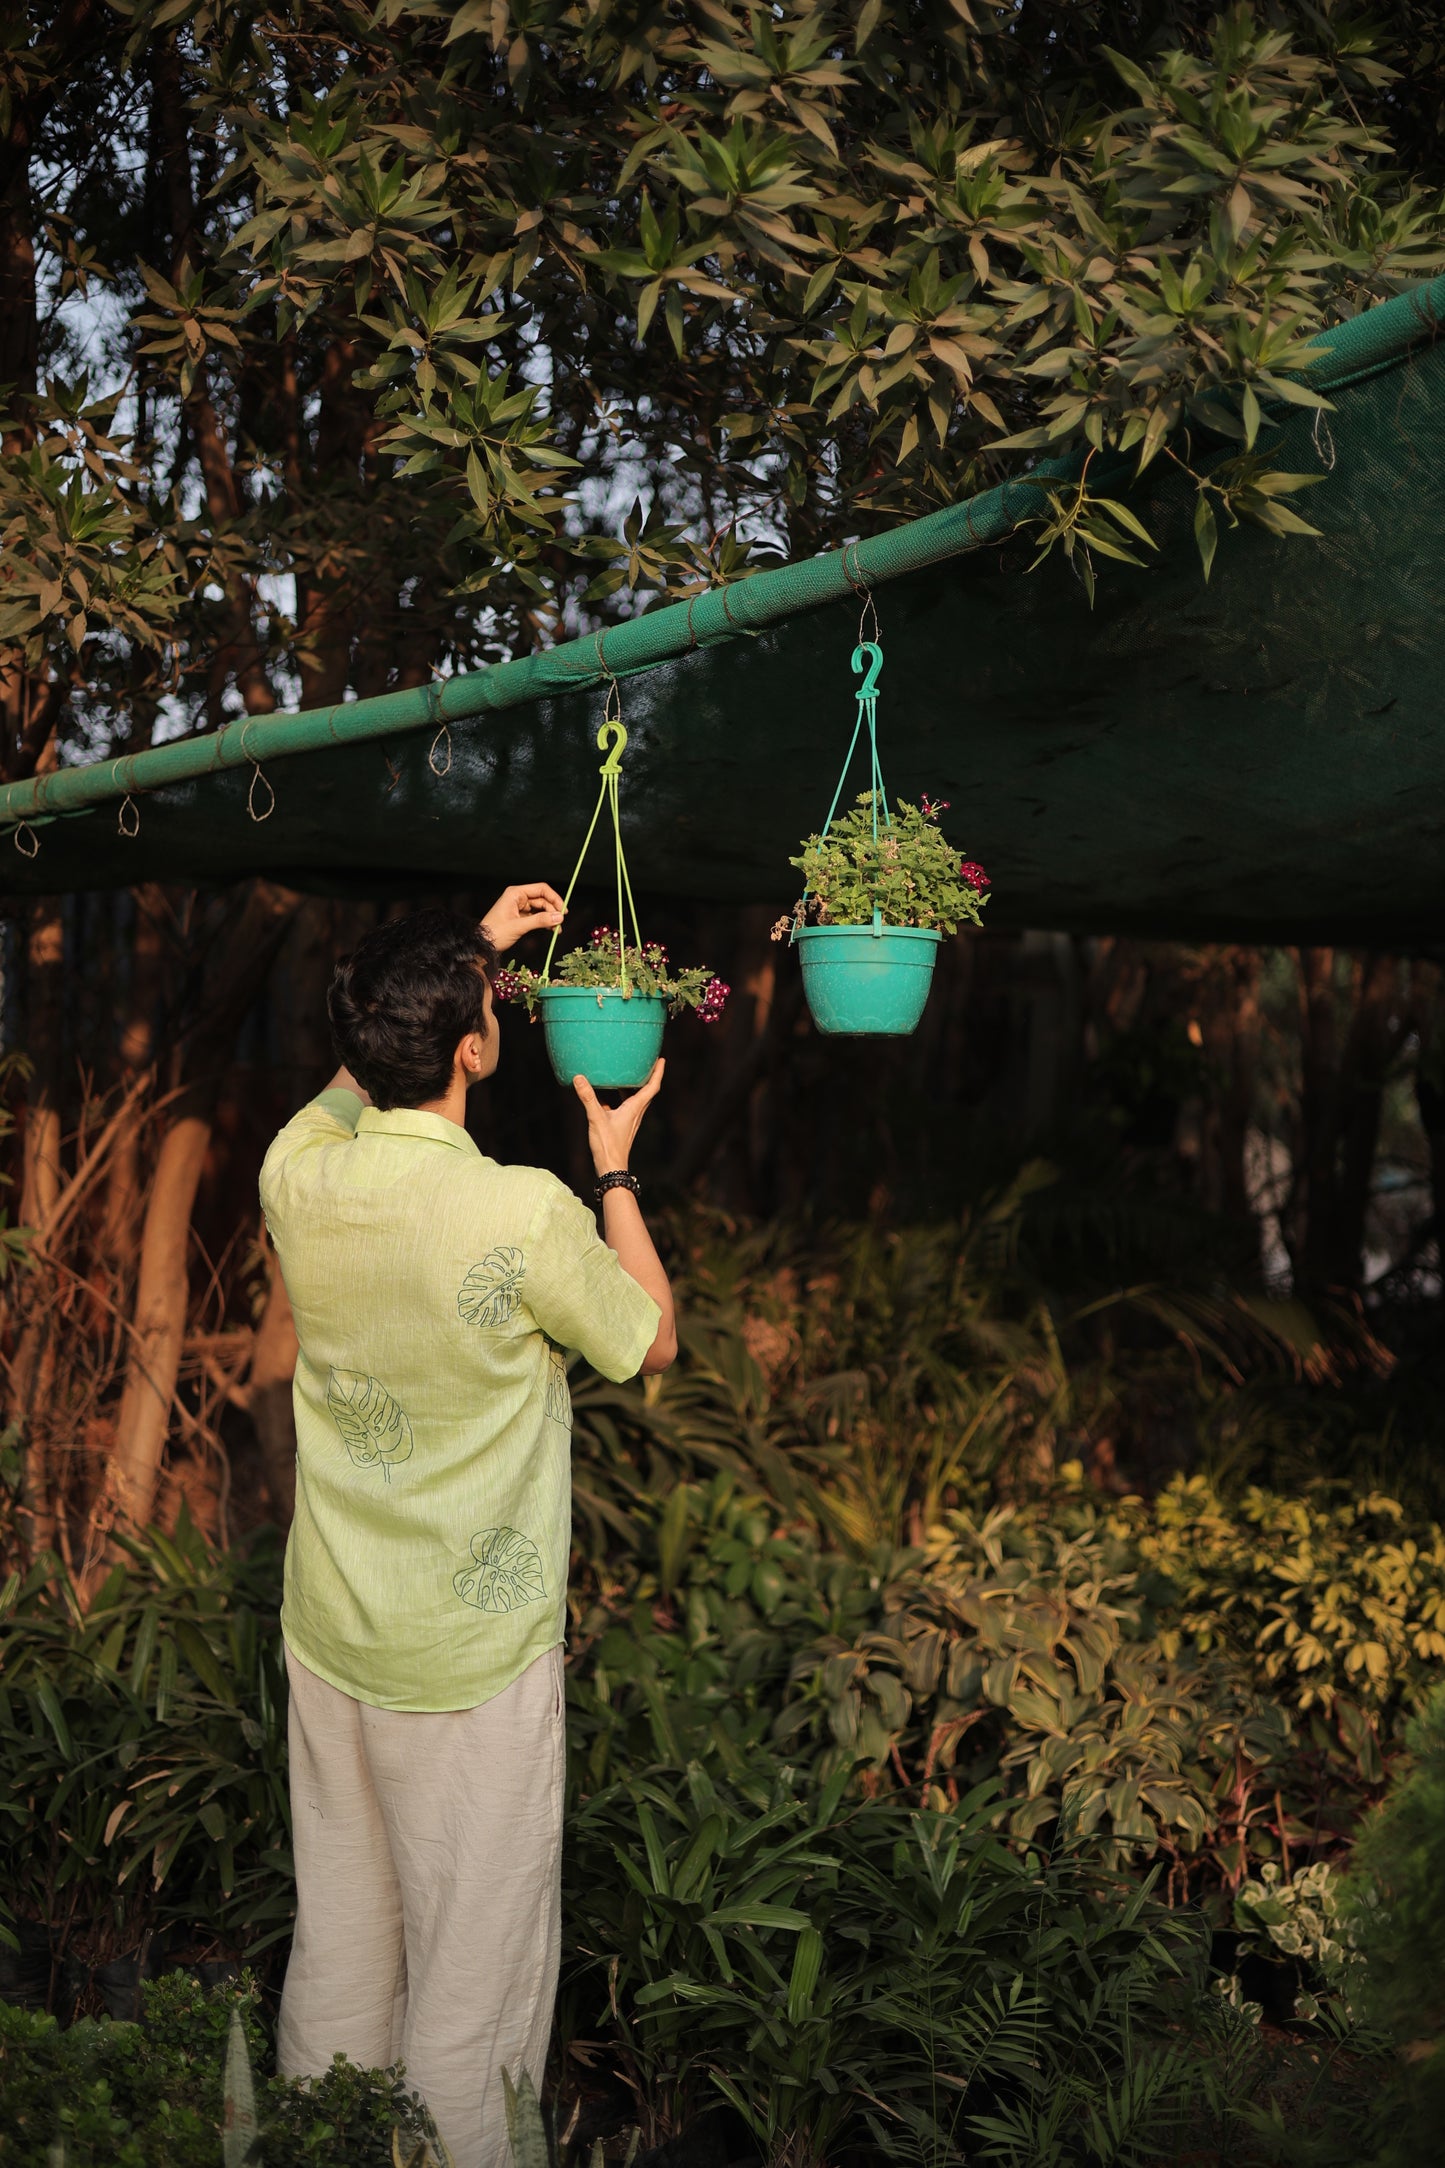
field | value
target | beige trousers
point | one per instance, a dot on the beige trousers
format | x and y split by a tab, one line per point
428	1895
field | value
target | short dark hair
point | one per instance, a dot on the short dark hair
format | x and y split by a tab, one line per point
403	998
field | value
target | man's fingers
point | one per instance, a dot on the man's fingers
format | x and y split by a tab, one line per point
536	898
586	1094
644	1095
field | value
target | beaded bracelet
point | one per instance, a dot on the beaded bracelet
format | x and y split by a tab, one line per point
618	1179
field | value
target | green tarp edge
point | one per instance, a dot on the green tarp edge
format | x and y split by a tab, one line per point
1363	345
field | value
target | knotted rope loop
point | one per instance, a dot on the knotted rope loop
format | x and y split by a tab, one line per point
868	627
132	830
256	777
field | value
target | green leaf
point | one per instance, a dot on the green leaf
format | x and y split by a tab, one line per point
240	2128
48	1703
758	1915
807	1964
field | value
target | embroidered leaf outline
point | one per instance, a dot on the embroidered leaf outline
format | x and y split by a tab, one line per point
558	1402
505	1572
373	1426
492	1290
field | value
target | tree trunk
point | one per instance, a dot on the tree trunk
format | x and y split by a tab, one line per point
44	1045
1342	1090
40	1186
120	1231
238	652
327	601
1430	1098
238	965
1230	1013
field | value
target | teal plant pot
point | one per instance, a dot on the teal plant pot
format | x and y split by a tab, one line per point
865	981
598	1032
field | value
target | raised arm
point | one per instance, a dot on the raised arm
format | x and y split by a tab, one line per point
611	1132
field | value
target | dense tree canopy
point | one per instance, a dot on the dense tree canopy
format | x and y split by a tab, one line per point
345	343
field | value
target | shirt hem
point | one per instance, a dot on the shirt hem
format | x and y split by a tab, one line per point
408	1707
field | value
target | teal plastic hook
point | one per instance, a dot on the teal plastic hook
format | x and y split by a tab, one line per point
865	649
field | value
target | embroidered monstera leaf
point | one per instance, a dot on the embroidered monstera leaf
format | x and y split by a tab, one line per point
492	1290
505	1572
558	1402
373	1426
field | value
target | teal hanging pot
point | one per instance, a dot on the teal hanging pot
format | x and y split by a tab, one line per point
609	1037
867	981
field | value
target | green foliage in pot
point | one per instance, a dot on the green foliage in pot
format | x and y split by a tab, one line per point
909	871
599	965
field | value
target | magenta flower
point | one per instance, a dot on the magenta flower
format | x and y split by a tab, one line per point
504	986
971	873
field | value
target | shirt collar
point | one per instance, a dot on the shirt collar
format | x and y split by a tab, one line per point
412	1122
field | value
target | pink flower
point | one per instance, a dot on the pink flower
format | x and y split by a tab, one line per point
932	807
971	873
504	986
714	1000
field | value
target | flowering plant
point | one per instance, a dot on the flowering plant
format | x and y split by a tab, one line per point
909	872
599	964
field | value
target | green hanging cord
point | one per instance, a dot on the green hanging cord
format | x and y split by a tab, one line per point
867	657
611	739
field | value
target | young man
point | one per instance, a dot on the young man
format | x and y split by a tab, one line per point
434	1292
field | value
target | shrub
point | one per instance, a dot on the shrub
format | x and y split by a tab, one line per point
133	2096
861	1980
144	1745
1397	1901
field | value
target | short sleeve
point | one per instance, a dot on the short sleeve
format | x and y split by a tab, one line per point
329	1118
579	1294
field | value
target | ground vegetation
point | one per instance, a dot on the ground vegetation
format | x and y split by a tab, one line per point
928	1799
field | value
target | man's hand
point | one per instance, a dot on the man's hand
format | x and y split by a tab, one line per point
611	1130
529	907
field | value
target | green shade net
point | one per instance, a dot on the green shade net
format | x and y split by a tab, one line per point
1261	758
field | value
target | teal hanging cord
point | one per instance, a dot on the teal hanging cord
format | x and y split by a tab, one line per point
867	656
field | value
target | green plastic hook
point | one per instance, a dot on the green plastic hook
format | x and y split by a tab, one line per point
614	730
866	648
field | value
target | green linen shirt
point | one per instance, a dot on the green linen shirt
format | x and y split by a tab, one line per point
433	1292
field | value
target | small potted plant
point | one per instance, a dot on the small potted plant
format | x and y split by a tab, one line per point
603	1007
878	897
